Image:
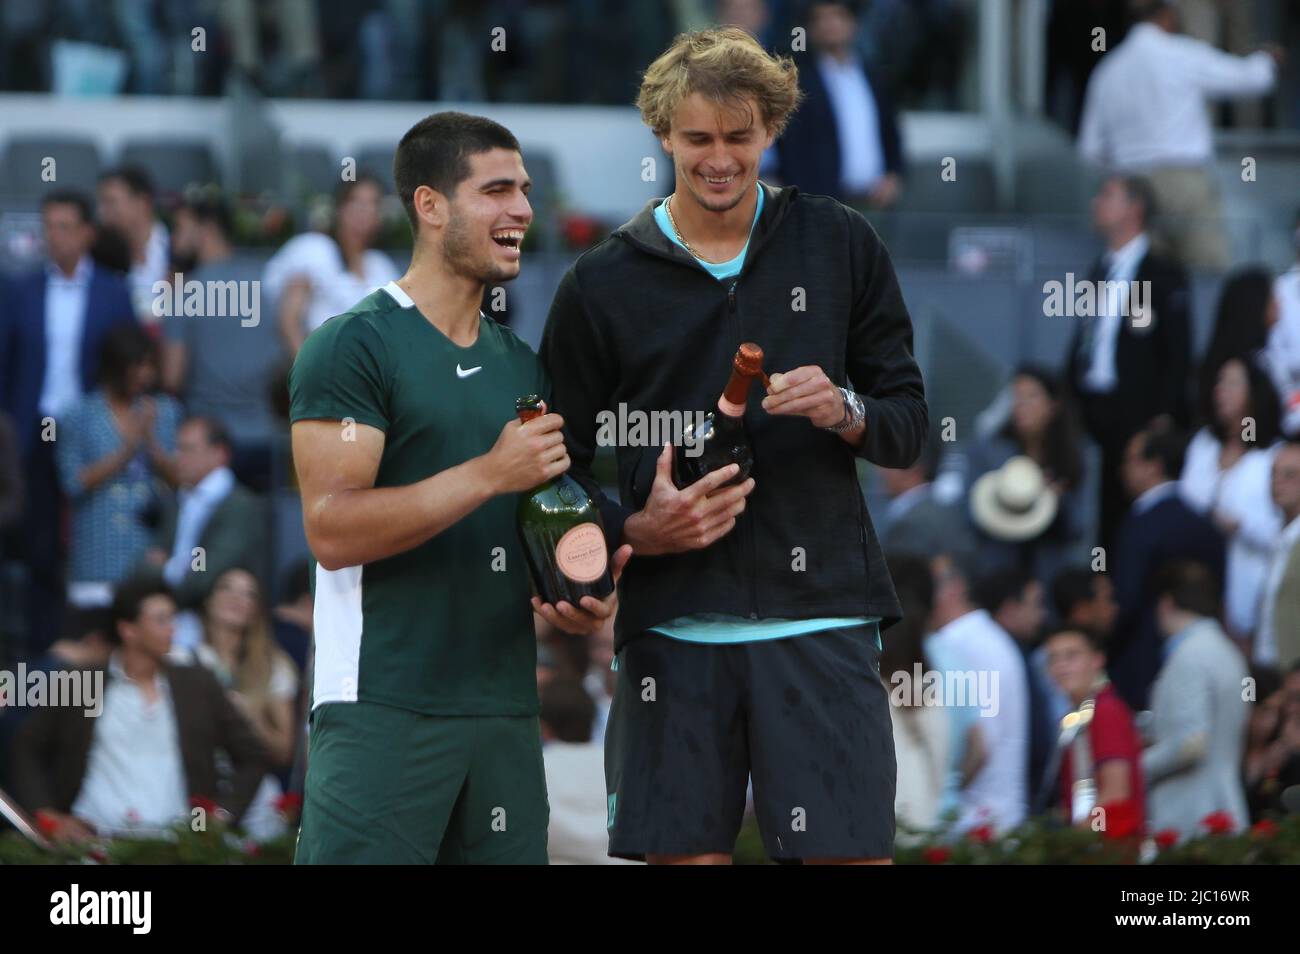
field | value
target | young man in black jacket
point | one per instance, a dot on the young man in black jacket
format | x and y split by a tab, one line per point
748	631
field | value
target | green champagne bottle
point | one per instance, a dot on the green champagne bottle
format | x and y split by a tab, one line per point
562	534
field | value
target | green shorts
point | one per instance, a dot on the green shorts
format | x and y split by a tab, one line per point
390	786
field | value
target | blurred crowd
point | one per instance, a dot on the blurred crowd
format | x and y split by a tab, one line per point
1111	550
553	51
1120	542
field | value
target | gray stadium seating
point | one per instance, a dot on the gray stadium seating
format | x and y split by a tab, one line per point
173	164
377	159
312	168
76	165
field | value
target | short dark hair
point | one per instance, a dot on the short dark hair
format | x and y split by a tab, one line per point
1190	584
567	709
1094	641
137	181
1164	443
1072	586
214	431
210	210
129	600
122	349
1139	190
80	622
992	590
435	152
1268	680
78	200
1143	10
911	574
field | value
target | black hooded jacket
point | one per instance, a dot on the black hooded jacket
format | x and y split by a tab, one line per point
637	321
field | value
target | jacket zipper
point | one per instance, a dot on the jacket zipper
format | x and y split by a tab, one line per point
734	315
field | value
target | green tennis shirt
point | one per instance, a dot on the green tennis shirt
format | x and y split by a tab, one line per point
444	628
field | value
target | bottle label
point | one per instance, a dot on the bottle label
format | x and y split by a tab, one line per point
580	553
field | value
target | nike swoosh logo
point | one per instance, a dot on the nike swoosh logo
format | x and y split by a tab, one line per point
466	372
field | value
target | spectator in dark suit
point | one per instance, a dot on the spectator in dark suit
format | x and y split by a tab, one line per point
1134	365
152	752
83	645
50	338
844	140
213	513
1159	527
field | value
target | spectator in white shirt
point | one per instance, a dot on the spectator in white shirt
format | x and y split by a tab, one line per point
152	753
316	276
126	205
1277	642
1226	479
996	796
1145	112
1283	348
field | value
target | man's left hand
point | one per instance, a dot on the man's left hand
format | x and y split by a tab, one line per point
591	614
805	392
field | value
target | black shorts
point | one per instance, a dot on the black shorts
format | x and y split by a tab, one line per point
807	717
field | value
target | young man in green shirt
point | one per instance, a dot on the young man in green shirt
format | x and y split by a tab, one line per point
425	744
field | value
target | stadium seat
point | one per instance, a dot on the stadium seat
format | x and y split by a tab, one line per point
312	169
76	165
543	196
377	159
174	164
972	190
1054	184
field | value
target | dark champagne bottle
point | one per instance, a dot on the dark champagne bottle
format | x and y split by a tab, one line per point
562	534
721	438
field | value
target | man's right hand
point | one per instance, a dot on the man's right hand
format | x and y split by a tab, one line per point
674	521
527	454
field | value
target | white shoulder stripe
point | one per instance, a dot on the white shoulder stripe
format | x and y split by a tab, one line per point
337	621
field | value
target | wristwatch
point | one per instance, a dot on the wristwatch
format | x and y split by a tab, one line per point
855	412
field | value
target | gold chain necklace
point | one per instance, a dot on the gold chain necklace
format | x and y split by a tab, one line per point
668	207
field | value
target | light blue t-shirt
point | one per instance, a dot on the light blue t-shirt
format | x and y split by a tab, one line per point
716	627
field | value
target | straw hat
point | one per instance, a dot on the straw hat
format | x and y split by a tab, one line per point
1014	502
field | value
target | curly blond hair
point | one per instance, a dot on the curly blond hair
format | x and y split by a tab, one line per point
725	65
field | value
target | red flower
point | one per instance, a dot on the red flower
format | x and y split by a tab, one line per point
1123	820
1167	838
580	231
46	823
252	849
202	801
1218	823
983	834
1264	828
936	854
97	856
289	804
